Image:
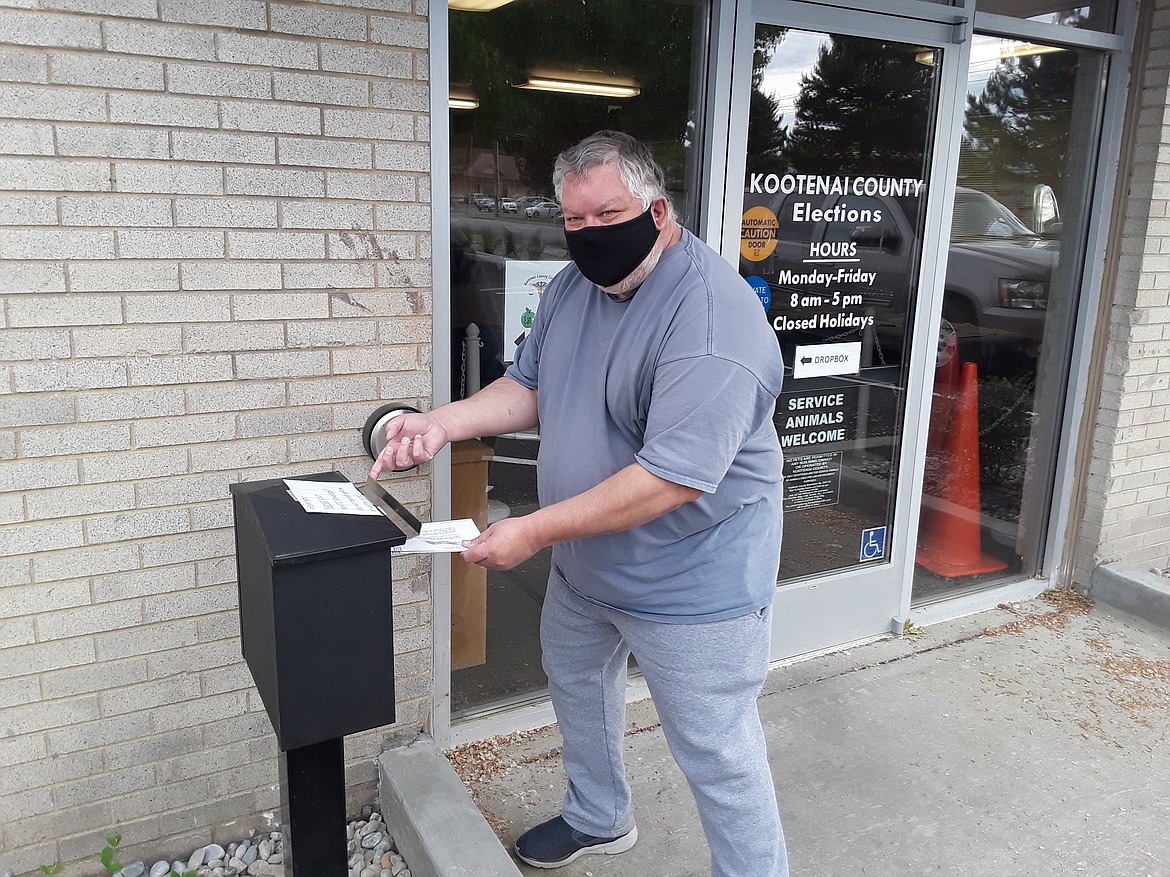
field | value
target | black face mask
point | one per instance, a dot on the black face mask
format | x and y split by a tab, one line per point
608	254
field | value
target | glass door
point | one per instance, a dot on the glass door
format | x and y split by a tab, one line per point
830	193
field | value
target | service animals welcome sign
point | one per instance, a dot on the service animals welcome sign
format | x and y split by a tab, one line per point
524	283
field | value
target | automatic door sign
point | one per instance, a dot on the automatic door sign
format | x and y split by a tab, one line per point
757	236
818	360
873	544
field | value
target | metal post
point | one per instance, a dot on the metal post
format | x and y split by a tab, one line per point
312	799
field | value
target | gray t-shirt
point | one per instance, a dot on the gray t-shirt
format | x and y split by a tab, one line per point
683	379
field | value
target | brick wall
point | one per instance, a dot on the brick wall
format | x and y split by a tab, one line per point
214	262
1127	509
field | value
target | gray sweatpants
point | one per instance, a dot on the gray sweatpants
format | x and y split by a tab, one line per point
704	679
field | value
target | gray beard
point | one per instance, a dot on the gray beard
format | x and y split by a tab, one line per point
624	289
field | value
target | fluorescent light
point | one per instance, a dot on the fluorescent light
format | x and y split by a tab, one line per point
476	5
615	88
461	103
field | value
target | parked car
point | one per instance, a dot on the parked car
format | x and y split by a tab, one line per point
483	202
543	210
507	205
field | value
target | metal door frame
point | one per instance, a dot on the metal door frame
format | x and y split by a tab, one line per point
947	28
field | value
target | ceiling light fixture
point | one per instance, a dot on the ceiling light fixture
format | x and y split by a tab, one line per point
476	5
608	87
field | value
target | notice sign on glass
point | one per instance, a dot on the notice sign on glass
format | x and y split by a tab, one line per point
524	283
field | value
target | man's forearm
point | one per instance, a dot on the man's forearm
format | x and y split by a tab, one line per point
627	499
501	407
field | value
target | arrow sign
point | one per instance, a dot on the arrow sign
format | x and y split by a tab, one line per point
818	360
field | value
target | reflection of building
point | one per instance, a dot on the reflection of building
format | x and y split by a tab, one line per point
224	241
478	171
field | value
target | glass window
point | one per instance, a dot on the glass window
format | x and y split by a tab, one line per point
1097	15
1012	280
528	80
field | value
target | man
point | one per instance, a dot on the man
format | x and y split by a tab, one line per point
653	374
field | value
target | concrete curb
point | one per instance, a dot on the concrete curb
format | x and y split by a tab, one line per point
1138	592
437	827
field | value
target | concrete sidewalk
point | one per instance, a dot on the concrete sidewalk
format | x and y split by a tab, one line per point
1031	740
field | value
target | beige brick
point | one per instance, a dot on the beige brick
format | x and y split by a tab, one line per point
20	138
262	424
412	96
316	152
368	60
402	157
290	305
67	375
225	147
235	336
148	695
93	678
185	604
40	29
238	455
358	244
129	8
107	785
22	749
168	179
218	80
180	370
159	40
31	717
74	501
88	620
37	474
51	174
116	404
271	181
36	410
114	210
28	210
123	275
368	124
130	526
113	141
328	214
18	66
69	309
137	583
74	439
146	639
193	244
275	245
313	22
243	14
371	186
332	333
328	275
25	277
56	244
177	308
30	344
403	217
133	466
372	304
231	275
407	275
106	71
126	342
395	31
17	632
317	88
278	363
180	431
225	212
266	51
235	397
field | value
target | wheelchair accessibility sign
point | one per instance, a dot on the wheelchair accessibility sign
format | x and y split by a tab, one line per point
873	544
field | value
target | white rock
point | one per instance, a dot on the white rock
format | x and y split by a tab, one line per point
160	869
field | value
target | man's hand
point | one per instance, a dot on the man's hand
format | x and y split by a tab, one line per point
411	439
504	544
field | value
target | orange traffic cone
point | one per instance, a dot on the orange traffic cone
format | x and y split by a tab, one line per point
949	533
